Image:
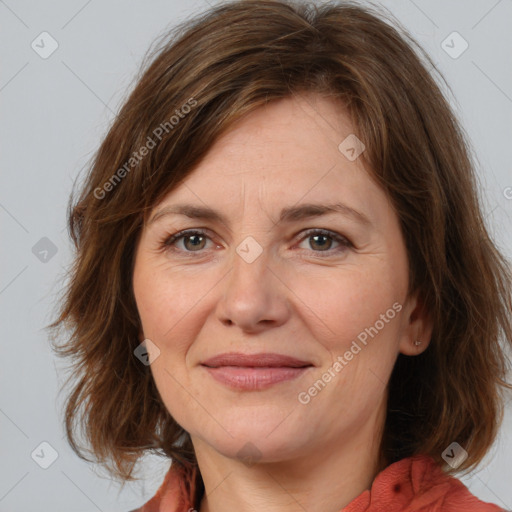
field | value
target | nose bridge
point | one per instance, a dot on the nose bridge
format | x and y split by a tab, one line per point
251	296
250	262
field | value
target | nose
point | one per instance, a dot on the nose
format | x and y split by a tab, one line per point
253	297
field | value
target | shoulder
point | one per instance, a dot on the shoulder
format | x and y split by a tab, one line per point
459	498
447	492
177	493
418	484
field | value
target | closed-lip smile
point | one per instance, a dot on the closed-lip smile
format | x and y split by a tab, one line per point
254	371
267	359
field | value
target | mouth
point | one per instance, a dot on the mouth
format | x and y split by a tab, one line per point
254	372
268	360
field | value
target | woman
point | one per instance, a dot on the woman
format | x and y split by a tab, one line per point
283	281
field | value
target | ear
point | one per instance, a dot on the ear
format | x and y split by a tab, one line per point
417	326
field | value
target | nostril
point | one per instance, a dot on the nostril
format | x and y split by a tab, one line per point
397	488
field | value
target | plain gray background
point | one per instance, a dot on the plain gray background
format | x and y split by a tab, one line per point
54	114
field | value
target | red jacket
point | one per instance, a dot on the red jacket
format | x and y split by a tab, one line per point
414	484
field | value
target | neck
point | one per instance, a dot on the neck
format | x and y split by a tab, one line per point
326	478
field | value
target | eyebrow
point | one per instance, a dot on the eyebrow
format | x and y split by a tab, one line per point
288	215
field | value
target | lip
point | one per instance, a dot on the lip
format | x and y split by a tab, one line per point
254	371
264	359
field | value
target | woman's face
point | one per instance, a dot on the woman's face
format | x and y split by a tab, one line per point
262	279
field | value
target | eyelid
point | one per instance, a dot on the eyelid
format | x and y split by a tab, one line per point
167	242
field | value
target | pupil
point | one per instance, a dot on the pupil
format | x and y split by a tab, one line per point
198	240
315	237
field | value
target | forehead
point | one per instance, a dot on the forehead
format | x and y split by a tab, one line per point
306	128
284	153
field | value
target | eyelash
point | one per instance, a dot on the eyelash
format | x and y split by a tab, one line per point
167	242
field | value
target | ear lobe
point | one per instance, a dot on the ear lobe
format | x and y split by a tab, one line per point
417	331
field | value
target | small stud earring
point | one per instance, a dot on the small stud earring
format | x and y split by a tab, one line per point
417	342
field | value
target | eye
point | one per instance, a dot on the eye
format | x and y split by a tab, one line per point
195	240
323	239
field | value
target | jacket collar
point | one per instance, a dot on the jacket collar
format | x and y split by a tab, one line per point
412	484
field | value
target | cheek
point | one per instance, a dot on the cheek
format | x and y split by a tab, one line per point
166	305
340	304
356	321
166	298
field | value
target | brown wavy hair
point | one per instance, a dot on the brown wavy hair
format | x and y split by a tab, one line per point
223	64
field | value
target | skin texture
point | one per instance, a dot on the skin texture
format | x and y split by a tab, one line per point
302	296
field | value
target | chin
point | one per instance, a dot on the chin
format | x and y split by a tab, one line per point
255	450
267	439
